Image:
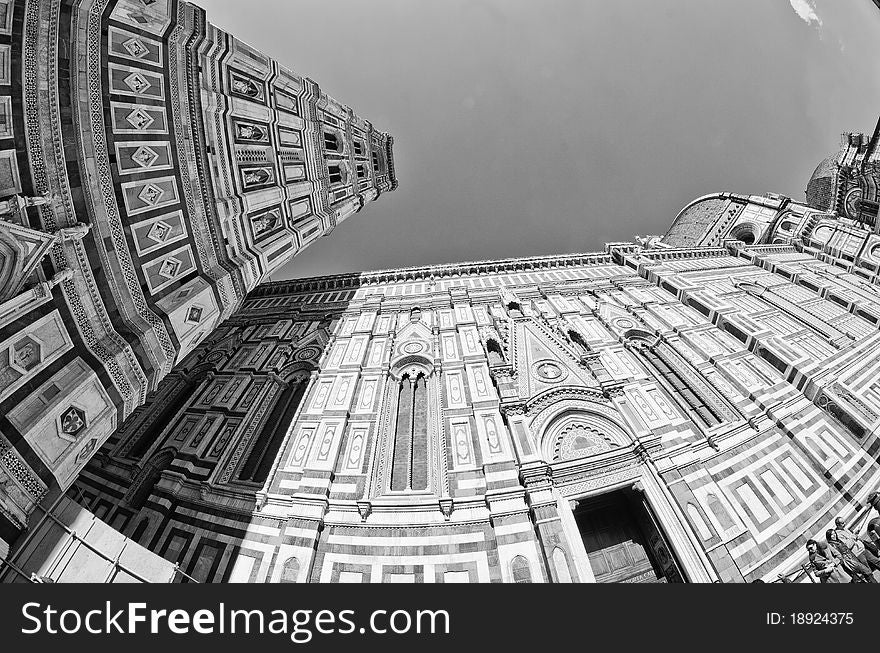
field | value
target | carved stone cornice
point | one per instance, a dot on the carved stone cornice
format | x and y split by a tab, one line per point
536	476
517	408
426	273
674	254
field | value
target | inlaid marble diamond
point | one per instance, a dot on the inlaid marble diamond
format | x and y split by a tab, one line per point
137	82
140	119
136	48
170	267
151	194
144	156
159	232
194	314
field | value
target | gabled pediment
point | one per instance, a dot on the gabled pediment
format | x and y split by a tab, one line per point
21	250
413	330
616	317
319	337
544	361
413	339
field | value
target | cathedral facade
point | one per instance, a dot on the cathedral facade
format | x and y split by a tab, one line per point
689	407
153	171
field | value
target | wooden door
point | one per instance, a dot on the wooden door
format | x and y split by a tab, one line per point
615	545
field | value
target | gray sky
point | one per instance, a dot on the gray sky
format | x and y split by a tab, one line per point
526	127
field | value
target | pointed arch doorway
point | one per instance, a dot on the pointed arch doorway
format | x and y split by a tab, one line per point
622	540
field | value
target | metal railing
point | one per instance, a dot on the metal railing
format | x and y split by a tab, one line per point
74	539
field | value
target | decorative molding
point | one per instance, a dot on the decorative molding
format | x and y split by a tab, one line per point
426	273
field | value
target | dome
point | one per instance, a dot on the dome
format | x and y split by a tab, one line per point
820	188
696	220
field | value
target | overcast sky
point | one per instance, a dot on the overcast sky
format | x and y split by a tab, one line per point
526	127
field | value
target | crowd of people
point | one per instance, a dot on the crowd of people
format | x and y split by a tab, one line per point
844	556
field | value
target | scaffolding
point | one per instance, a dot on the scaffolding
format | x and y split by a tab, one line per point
70	544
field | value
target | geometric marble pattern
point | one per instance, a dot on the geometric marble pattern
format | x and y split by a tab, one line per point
144	156
140	119
137	82
135	47
194	314
151	194
159	231
170	267
120	297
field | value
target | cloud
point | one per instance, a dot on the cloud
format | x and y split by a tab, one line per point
806	9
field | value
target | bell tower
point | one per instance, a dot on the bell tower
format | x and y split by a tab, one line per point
154	170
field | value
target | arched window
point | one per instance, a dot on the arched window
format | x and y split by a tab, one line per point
143	485
700	400
681	388
258	463
560	563
493	351
578	341
335	174
290	571
519	570
409	469
331	142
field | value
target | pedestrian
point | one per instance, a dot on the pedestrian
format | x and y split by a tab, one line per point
859	572
855	545
825	566
871	538
874	501
873	531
